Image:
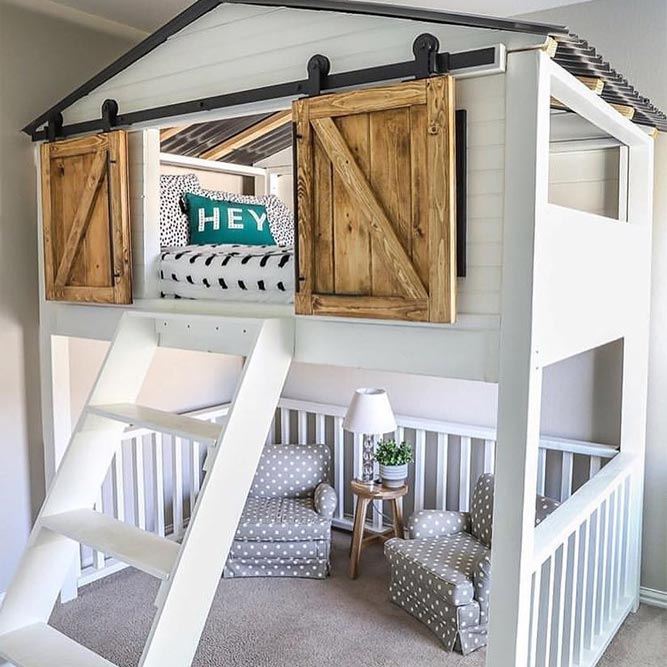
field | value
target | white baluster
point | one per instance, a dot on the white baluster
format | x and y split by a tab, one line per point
441	471
177	486
593	593
583	600
464	474
562	593
195	472
339	465
420	472
604	540
489	456
541	470
98	556
271	436
566	472
320	429
572	600
139	483
284	426
158	482
302	424
535	616
622	535
594	466
119	484
549	615
611	584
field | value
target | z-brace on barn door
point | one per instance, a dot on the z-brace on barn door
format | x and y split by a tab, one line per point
85	211
376	202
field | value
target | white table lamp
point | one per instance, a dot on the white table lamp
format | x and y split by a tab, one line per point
369	413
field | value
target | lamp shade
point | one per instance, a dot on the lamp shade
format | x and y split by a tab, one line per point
370	412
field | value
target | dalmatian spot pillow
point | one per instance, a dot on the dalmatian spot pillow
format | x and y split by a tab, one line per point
173	221
281	219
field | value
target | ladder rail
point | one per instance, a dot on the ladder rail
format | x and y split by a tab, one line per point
67	518
181	616
33	592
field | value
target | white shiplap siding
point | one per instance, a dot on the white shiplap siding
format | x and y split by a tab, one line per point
484	99
587	180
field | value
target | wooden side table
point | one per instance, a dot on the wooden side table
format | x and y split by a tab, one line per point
365	494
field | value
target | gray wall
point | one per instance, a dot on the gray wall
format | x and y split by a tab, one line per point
41	59
631	35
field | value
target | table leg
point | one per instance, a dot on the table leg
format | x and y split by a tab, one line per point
397	510
358	536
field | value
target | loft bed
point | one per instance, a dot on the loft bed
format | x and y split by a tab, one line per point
547	275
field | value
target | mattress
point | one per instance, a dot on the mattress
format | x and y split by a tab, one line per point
262	274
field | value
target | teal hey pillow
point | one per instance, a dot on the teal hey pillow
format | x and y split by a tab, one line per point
215	221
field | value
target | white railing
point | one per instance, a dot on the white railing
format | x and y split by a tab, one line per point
584	578
154	479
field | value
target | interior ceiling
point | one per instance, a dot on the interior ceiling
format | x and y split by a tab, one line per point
149	15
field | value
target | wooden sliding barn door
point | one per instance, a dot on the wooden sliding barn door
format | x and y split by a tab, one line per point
86	226
376	202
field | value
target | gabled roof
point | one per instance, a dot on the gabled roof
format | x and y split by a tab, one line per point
202	7
572	53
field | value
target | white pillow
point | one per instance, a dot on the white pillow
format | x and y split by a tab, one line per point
281	219
173	222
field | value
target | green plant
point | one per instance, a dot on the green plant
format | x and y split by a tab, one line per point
390	453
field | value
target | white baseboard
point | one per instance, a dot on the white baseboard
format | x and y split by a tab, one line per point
652	597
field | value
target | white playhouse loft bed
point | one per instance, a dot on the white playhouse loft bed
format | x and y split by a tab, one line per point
563	281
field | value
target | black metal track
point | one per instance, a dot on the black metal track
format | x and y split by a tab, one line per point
574	54
403	70
202	7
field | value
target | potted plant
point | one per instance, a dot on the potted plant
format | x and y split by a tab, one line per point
393	459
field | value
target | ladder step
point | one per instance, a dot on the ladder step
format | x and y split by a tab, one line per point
158	420
39	645
150	553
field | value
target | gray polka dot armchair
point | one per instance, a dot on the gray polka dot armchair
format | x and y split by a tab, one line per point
441	574
285	528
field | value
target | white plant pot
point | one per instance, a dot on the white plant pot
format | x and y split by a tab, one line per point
394	476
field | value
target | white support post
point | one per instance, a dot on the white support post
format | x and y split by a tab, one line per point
520	374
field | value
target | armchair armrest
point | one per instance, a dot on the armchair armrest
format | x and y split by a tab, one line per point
325	500
437	523
481	581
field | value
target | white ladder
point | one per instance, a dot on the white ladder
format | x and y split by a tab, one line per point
190	571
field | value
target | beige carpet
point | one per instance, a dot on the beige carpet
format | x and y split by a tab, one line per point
303	623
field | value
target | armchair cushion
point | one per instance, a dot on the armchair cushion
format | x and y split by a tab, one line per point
325	500
292	471
282	520
437	523
442	566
